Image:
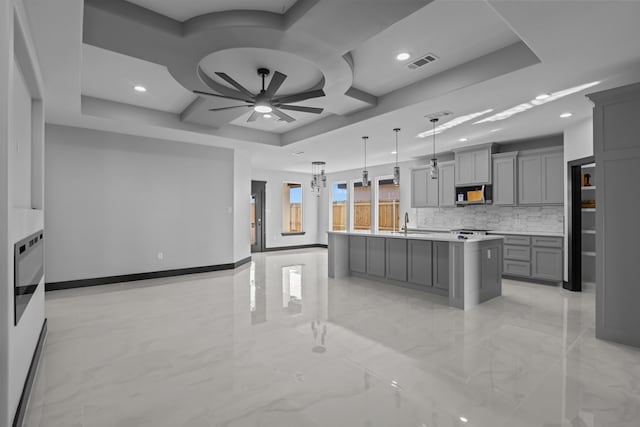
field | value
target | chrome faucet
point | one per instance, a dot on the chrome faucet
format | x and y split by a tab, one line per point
406	221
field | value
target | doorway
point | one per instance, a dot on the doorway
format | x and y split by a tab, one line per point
581	227
257	215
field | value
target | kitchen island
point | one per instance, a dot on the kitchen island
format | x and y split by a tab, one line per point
467	271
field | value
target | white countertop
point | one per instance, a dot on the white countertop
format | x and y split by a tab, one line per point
438	237
527	233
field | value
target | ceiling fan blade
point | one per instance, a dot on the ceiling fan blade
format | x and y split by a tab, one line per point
299	96
282	116
228	108
275	83
220	88
313	110
199	92
254	116
234	83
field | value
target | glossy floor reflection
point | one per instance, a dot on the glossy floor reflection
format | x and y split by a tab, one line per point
278	344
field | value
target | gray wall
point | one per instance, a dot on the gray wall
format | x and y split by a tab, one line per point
114	202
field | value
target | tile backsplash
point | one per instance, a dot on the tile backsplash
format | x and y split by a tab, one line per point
503	218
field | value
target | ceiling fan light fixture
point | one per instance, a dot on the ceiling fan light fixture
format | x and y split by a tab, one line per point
263	108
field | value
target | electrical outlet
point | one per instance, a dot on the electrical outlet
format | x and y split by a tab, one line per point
160	255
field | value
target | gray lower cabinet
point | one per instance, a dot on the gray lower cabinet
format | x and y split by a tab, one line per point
358	254
397	259
441	265
419	262
535	257
376	259
546	263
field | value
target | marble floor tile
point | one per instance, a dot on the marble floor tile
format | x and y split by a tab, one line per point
277	343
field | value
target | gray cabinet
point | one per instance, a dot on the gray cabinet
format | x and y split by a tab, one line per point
490	265
473	166
397	259
419	262
419	188
441	265
504	179
376	259
446	185
536	257
358	254
540	177
546	263
424	190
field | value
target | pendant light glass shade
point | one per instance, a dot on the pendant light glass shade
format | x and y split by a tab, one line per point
318	177
434	160
365	172
396	169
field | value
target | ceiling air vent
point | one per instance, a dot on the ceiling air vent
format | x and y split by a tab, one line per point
423	60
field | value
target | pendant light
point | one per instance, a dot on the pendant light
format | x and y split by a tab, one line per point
396	169
365	172
434	161
318	177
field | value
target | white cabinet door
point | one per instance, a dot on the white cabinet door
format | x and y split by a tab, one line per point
552	178
465	168
529	180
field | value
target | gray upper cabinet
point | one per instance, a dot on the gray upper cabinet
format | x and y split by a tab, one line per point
376	260
552	182
504	179
540	177
473	166
419	188
432	190
358	254
446	184
397	259
419	262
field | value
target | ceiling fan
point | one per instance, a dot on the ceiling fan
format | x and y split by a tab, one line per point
264	102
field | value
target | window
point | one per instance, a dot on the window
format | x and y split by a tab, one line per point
388	205
291	208
361	206
339	206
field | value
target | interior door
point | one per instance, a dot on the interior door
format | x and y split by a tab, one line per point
257	231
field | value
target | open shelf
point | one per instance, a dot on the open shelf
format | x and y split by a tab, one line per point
588	209
588	253
588	231
593	187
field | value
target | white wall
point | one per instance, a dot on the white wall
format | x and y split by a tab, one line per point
21	123
578	143
273	208
241	214
115	201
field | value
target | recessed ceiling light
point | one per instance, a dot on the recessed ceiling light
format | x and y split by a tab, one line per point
542	96
394	152
495	130
403	56
267	116
565	115
139	88
464	420
463	139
